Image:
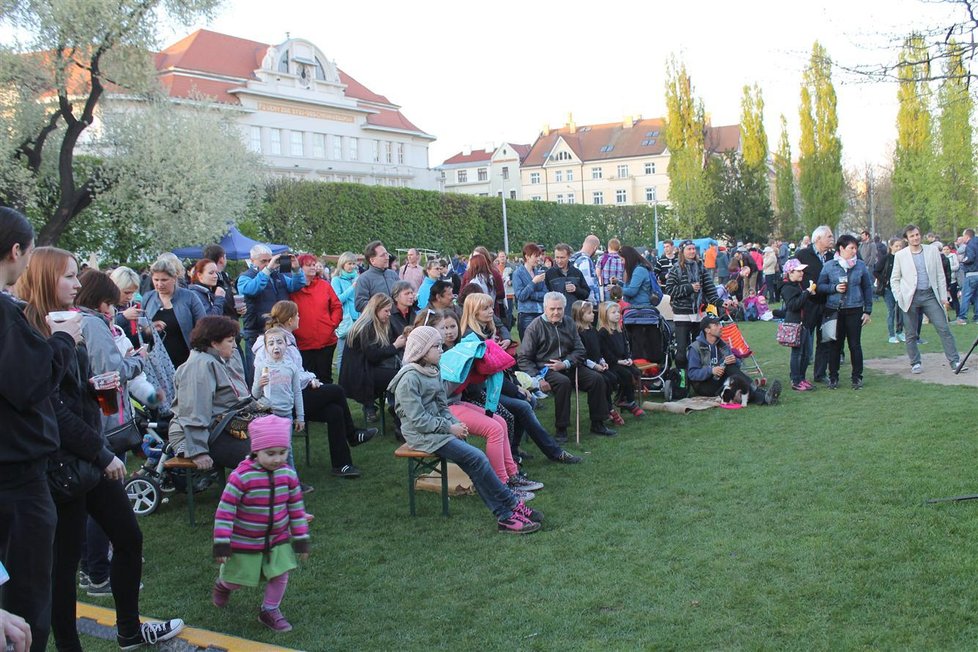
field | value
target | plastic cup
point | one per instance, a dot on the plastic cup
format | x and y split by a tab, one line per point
63	315
107	391
239	301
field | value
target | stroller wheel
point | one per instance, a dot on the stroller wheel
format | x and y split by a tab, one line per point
667	390
144	495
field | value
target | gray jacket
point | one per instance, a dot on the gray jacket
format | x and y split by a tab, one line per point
187	308
544	341
371	282
104	356
422	407
206	386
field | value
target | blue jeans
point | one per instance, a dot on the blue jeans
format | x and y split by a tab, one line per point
801	356
969	296
526	420
524	320
340	345
497	496
894	316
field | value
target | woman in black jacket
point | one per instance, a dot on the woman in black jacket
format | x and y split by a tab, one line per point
373	355
51	284
689	287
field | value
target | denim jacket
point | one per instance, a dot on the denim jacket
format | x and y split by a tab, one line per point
859	292
529	295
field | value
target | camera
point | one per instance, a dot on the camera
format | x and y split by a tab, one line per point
285	264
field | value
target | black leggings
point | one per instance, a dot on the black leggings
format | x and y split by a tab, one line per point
319	362
108	504
328	405
849	327
626	378
686	332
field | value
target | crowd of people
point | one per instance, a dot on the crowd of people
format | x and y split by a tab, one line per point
448	348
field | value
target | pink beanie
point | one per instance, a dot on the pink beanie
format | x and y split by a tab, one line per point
270	432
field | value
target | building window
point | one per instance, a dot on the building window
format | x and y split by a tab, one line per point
536	198
338	148
295	143
380	145
512	194
559	176
570	175
389	152
255	143
560	199
650	194
621	197
622	171
648	142
597	198
562	156
505	172
650	168
462	176
607	148
319	145
534	178
400	153
275	142
483	174
596	173
354	149
570	198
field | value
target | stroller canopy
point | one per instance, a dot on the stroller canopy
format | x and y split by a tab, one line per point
237	246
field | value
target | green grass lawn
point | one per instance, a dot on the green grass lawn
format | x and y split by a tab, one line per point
797	526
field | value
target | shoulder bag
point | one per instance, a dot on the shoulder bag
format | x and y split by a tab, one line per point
69	476
789	334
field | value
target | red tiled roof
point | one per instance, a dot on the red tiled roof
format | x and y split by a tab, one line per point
212	52
475	156
522	150
197	87
723	139
359	91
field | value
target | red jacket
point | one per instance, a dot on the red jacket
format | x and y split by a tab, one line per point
320	312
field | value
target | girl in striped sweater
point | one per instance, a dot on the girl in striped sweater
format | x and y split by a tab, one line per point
261	511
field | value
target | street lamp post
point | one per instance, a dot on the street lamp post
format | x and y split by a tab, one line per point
505	225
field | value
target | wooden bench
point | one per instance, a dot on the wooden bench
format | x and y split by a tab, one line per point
187	465
420	463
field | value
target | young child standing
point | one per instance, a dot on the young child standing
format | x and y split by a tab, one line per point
797	301
427	425
277	386
615	350
260	513
582	312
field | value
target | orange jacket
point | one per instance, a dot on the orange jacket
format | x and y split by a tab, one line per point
710	257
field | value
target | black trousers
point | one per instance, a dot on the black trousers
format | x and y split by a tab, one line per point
848	329
626	379
562	384
108	504
328	405
319	362
686	332
712	386
27	523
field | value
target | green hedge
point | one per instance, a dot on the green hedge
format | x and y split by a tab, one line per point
336	217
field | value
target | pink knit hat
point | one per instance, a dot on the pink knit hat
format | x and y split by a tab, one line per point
270	432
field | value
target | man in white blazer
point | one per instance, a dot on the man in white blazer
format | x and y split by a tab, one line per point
919	285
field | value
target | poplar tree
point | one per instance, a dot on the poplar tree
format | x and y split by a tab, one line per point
956	160
914	163
820	178
754	157
785	214
689	189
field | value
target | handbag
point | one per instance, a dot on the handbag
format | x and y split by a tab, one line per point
124	438
69	476
830	327
789	334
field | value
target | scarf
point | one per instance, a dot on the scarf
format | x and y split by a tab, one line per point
348	276
843	263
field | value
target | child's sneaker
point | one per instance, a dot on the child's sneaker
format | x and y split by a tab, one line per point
274	620
635	409
523	495
84	581
520	481
220	595
151	634
529	513
616	417
517	524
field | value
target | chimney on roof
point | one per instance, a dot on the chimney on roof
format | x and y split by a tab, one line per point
628	122
467	150
571	127
546	130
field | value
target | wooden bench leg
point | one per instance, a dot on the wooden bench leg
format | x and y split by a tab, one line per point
412	468
190	496
444	487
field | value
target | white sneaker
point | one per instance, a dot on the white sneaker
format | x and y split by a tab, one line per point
916	369
893	340
959	368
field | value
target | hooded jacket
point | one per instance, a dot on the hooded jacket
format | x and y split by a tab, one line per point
422	406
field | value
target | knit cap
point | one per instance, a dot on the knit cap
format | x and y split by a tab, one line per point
419	342
270	432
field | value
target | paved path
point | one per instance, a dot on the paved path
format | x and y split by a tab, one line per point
936	369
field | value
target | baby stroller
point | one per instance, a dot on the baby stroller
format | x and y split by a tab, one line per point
151	484
653	349
730	333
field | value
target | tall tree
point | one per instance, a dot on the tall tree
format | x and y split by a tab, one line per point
52	90
785	214
689	189
915	189
754	160
741	207
956	160
820	176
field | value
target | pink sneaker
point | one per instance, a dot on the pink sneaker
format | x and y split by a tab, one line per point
807	384
517	524
616	417
274	620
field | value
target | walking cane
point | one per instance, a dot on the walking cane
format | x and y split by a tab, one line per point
577	407
965	359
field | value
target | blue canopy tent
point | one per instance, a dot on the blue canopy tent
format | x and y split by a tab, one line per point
237	246
702	244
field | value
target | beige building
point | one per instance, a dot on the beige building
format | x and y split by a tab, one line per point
489	172
622	163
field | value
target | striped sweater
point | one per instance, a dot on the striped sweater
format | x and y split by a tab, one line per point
259	510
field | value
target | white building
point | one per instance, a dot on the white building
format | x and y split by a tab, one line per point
306	117
485	172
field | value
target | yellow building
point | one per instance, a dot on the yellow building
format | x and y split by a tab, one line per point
622	163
